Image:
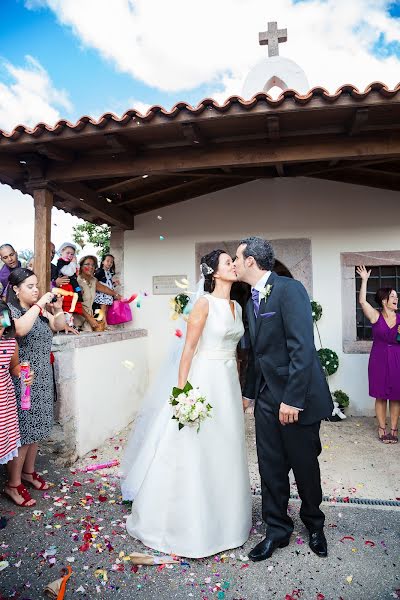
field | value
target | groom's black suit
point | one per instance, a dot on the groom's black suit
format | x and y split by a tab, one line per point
284	367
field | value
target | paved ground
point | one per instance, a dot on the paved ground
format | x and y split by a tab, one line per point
81	522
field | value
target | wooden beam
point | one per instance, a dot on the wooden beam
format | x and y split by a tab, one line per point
254	154
360	118
309	171
192	133
378	172
273	128
43	203
10	167
54	152
361	178
97	206
114	187
207	187
164	191
118	143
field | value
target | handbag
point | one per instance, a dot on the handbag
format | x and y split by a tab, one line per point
119	312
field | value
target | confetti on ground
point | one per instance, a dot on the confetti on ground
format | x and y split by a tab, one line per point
162	238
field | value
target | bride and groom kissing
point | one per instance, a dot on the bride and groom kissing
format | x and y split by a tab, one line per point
191	491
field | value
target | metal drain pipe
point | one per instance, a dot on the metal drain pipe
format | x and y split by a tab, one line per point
346	500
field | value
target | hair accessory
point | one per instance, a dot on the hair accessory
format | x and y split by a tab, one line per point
205	269
66	245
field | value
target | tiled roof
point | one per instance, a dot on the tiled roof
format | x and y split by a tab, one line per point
287	97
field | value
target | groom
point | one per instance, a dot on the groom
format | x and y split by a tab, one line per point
291	396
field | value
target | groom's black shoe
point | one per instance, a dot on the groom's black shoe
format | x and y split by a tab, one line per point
265	549
318	543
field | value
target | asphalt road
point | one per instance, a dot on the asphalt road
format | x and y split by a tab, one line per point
363	561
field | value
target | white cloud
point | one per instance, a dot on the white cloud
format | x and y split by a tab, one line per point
18	220
30	97
179	45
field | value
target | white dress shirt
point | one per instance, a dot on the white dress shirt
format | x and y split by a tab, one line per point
261	283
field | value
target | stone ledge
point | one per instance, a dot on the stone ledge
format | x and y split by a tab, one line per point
357	347
62	342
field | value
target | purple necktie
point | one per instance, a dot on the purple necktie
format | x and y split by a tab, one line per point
255	296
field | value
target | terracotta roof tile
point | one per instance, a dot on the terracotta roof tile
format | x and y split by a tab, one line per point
207	103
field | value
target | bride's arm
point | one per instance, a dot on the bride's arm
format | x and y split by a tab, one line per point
195	327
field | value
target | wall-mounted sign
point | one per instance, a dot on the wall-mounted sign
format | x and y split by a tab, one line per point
165	284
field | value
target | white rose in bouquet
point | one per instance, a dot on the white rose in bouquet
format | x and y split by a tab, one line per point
189	406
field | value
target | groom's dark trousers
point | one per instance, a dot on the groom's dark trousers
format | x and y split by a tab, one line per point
284	368
281	448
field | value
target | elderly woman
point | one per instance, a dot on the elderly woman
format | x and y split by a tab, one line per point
89	286
34	326
384	360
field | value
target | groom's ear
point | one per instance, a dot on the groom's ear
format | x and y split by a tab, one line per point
250	261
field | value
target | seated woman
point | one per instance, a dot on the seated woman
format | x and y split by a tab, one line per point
89	285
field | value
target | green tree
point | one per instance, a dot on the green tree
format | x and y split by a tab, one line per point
25	255
88	233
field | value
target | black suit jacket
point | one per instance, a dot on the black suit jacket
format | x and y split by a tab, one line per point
283	354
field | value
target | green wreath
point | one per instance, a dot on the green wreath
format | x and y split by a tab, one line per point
316	311
329	360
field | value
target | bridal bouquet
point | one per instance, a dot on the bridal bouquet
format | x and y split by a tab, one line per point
189	406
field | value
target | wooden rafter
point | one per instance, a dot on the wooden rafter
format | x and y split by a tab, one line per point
207	187
86	198
54	152
167	190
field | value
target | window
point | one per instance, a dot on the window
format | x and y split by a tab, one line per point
381	276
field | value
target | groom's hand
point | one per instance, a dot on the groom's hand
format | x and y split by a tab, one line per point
288	414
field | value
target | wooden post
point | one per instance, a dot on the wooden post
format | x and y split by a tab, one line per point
117	250
43	202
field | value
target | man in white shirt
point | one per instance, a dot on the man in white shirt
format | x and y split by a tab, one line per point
286	380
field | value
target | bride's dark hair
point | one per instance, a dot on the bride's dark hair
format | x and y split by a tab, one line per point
209	266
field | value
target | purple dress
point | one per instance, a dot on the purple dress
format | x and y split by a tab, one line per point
384	361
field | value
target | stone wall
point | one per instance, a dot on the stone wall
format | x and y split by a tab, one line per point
100	381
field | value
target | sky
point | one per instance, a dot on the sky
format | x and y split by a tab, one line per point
69	58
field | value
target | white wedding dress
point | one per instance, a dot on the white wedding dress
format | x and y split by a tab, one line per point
195	498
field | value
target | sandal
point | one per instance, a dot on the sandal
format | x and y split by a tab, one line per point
35	477
23	492
392	437
385	437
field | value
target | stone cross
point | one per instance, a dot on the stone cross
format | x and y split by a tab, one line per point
272	38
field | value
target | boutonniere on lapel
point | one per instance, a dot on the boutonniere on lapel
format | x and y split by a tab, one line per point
265	293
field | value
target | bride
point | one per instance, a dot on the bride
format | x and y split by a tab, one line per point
191	491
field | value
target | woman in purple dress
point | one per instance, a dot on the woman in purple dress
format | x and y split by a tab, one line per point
384	360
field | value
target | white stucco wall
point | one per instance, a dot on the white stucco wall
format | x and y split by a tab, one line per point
97	395
336	217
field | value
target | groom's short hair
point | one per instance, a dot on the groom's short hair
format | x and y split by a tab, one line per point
261	250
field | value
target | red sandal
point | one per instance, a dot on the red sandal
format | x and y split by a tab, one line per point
43	484
23	492
393	437
383	438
